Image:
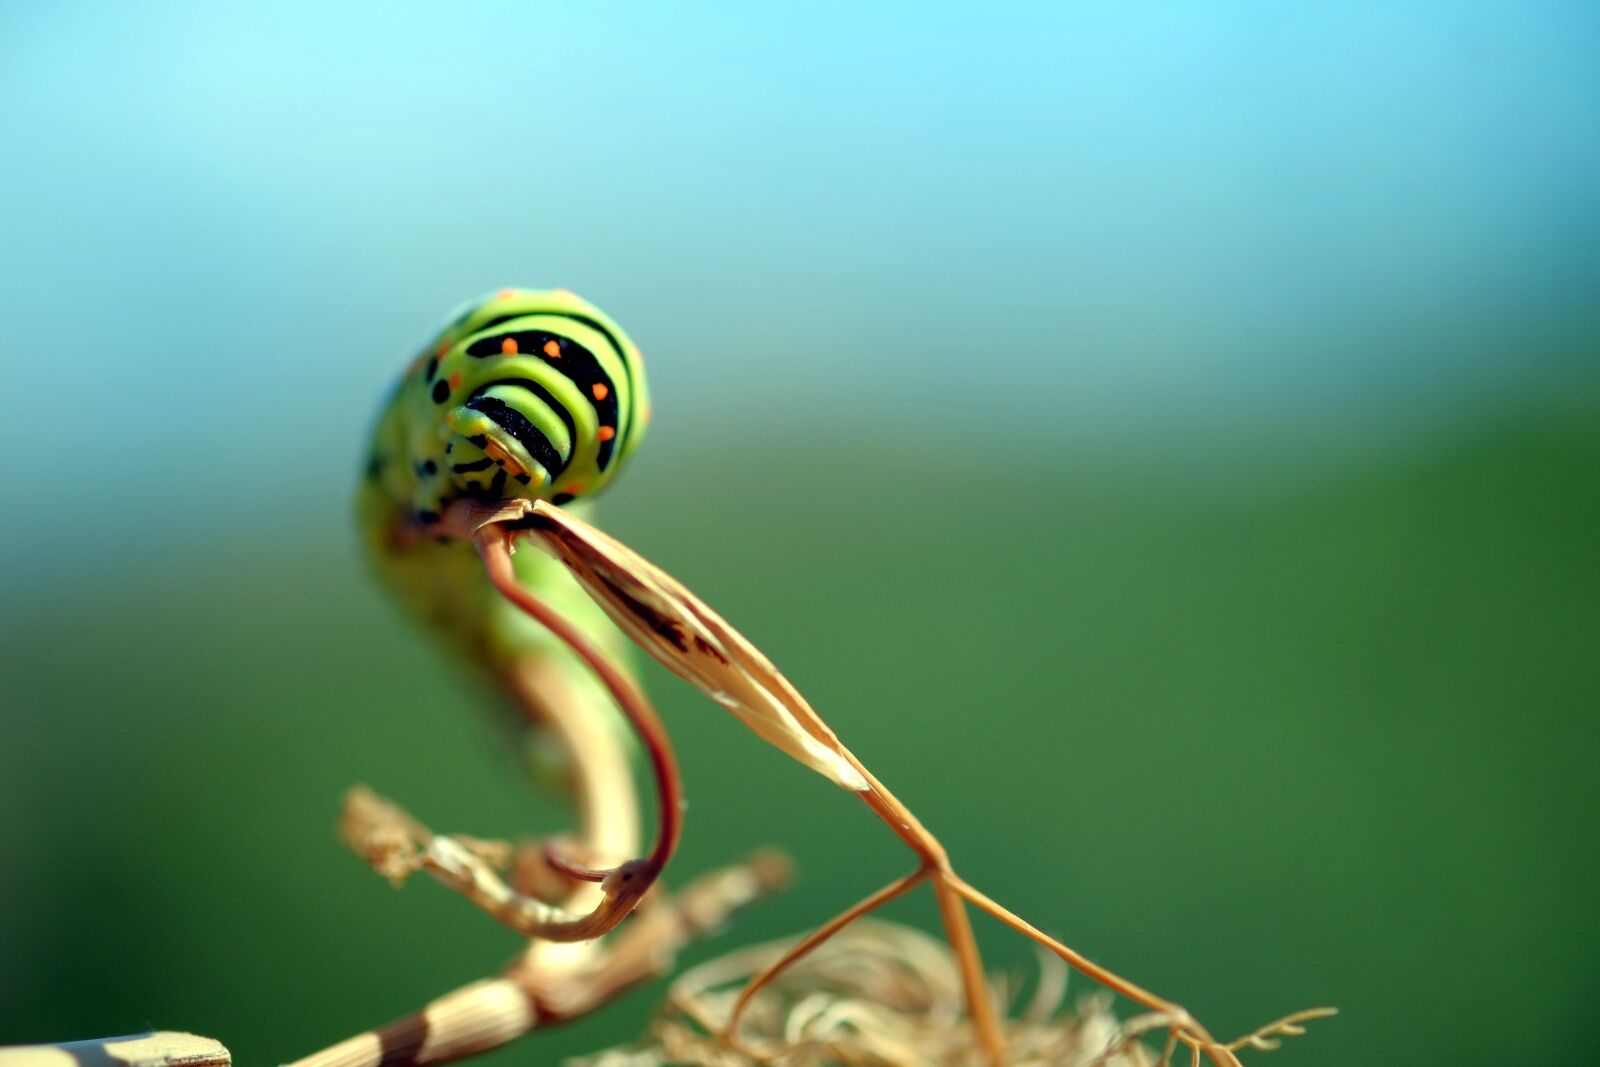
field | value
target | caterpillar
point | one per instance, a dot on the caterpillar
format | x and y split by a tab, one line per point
534	393
524	393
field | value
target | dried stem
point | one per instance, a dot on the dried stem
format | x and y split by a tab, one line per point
688	637
627	883
492	1012
684	634
155	1049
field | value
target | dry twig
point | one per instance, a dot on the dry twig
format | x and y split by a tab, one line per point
158	1048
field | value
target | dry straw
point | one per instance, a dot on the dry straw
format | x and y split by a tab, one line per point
885	995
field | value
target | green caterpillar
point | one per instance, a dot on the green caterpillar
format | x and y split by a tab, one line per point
524	393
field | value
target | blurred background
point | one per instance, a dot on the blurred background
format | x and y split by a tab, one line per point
1164	442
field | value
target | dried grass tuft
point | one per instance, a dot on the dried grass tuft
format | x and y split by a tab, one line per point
877	995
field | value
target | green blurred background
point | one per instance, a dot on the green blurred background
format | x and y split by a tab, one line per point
1165	444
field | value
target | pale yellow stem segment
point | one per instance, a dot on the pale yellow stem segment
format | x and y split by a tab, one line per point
156	1049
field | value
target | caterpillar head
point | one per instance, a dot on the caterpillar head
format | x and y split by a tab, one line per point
530	393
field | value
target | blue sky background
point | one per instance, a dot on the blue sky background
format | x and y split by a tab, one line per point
229	224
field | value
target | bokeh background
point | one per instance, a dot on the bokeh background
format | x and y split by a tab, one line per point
1165	441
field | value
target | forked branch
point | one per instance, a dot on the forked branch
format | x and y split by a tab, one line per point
529	996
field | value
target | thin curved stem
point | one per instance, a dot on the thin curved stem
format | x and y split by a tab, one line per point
598	773
627	883
802	948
